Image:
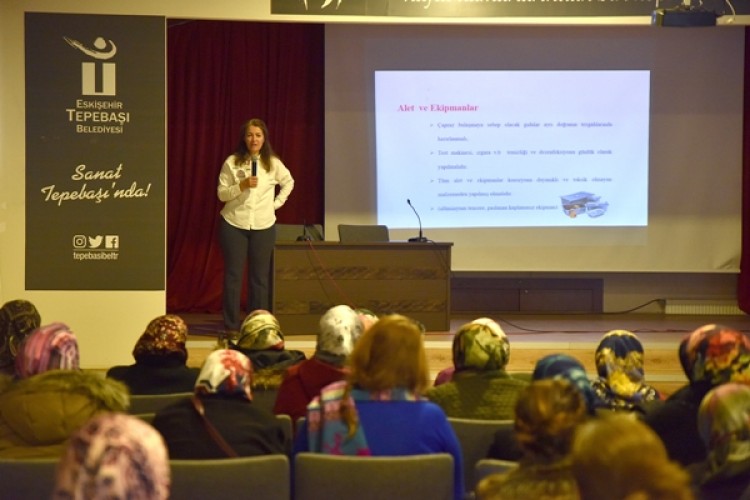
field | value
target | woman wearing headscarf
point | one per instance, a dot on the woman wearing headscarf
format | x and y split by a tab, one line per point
378	410
50	397
724	426
619	363
619	457
114	455
160	360
220	419
261	340
480	388
551	367
340	327
547	414
18	318
710	356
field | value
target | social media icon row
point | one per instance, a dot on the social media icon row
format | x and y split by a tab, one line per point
109	241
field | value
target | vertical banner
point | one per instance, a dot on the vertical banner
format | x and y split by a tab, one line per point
95	152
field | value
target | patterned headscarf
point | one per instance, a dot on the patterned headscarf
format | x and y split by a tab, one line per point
50	347
567	367
480	345
619	363
260	331
340	327
226	372
716	354
114	455
724	427
165	336
18	318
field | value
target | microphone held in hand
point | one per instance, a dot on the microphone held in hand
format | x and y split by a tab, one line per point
420	238
255	166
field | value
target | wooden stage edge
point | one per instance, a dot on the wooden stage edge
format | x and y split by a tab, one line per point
531	337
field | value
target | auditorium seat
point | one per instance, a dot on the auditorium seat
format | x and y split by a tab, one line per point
265	477
27	478
151	403
475	438
410	477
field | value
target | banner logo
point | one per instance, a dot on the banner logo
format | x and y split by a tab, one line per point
95	75
98	79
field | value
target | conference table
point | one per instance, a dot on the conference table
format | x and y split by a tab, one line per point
309	277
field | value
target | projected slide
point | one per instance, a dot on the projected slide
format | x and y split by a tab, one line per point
512	148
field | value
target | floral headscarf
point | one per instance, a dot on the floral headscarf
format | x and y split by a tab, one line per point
563	366
716	354
619	363
165	336
226	372
480	345
260	331
50	347
340	327
114	455
18	318
724	427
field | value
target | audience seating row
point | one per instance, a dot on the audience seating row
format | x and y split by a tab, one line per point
269	477
475	436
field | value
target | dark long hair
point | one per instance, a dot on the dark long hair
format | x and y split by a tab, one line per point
242	154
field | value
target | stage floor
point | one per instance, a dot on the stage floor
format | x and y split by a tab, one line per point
531	337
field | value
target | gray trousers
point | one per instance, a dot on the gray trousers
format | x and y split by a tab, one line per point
238	247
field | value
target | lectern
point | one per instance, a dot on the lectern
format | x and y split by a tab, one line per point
412	279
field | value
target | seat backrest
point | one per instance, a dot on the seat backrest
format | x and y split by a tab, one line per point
152	403
27	477
416	477
264	477
286	424
488	466
363	233
475	438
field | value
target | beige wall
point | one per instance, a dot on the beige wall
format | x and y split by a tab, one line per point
108	323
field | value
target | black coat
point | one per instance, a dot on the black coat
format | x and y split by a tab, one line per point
249	430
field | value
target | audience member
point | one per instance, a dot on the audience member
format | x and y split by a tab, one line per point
480	388
160	360
618	456
505	446
50	396
340	327
724	426
546	416
367	317
261	340
446	374
619	363
114	456
18	318
220	420
378	410
710	356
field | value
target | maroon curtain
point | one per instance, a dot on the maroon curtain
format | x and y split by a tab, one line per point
219	75
743	290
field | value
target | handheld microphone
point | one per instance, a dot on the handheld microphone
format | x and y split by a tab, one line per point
420	238
255	166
